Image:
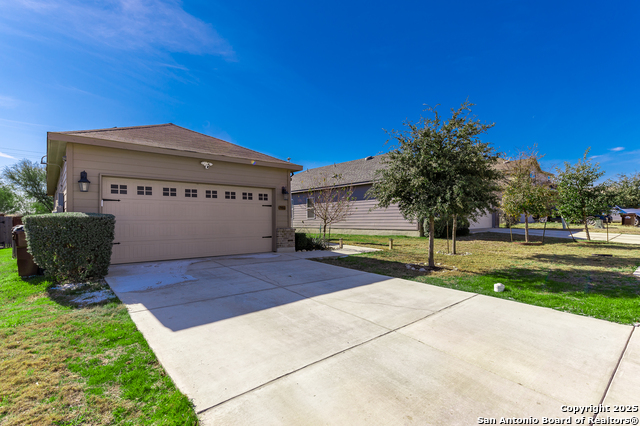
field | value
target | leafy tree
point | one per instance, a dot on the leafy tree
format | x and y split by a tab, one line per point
525	191
578	194
30	179
439	168
332	201
9	200
627	190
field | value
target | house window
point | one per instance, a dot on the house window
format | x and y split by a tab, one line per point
311	210
230	195
211	194
247	196
144	190
114	189
169	192
263	197
193	193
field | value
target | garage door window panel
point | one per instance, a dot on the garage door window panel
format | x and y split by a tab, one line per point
144	190
191	193
169	192
118	189
211	194
230	195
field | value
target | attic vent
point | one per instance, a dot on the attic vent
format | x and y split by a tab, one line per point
369	158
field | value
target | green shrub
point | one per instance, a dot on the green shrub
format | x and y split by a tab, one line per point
71	246
441	227
305	242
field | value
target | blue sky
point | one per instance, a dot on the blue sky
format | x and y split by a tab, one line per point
319	81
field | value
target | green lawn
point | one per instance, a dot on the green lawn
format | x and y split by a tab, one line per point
64	365
560	274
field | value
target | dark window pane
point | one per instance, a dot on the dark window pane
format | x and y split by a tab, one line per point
165	192
214	194
244	195
123	189
266	197
141	190
114	189
233	195
187	193
194	193
227	195
251	196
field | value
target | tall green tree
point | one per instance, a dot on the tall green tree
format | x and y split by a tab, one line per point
526	191
626	189
9	200
439	167
579	194
30	179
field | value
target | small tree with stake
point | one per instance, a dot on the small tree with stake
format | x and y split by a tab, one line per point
332	202
525	193
578	194
439	167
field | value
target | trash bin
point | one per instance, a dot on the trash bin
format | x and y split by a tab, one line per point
26	265
629	219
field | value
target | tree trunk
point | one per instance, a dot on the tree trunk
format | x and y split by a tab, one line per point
544	230
324	231
453	233
526	227
586	226
432	233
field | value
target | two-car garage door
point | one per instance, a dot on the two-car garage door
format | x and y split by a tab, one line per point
158	220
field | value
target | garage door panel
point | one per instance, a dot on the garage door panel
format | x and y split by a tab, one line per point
153	226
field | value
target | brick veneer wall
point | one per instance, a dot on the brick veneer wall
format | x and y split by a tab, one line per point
286	238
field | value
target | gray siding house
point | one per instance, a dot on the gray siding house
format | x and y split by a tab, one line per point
365	216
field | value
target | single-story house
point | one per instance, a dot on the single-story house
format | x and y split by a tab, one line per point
175	193
364	218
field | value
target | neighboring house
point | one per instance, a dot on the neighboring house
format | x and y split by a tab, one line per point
359	174
175	193
364	217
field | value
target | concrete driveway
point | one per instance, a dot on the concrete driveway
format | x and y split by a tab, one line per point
279	339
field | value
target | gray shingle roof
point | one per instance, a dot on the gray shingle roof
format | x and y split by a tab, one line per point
170	136
348	173
363	171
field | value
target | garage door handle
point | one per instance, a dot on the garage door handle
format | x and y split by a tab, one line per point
114	243
266	205
269	236
109	199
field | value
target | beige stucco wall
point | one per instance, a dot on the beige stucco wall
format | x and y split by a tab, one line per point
102	161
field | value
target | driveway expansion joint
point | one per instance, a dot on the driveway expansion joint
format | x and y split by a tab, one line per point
615	370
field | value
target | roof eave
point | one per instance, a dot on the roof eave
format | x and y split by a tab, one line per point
86	140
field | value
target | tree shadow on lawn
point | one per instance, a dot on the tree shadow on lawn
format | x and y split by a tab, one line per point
588	279
582	244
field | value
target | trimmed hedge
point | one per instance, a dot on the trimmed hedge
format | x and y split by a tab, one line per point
305	242
71	246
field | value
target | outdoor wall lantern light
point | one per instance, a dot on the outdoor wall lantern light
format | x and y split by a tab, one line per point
285	193
84	182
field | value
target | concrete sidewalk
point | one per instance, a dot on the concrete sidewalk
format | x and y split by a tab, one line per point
595	236
278	339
